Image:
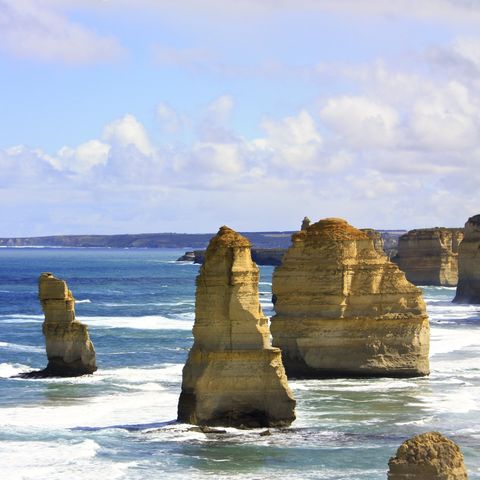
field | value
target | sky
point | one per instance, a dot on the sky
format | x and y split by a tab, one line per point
181	116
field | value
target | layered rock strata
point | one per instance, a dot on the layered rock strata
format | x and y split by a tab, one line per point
429	256
429	456
69	349
343	309
233	376
376	238
468	288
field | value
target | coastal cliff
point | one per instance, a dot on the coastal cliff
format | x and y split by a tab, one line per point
233	376
429	456
70	352
429	256
468	288
343	309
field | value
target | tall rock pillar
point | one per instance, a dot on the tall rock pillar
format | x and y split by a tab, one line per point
468	288
233	376
69	349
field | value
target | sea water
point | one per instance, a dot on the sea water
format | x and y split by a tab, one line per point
119	423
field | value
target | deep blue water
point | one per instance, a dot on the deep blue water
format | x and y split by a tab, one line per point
118	423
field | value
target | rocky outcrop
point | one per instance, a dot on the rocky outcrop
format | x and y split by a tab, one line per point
343	309
429	456
69	349
468	288
233	376
305	223
261	256
429	256
376	238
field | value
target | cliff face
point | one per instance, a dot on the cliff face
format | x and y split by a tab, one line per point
376	238
69	349
468	289
429	256
343	309
429	456
232	376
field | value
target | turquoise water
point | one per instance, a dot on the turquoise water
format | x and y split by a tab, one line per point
119	422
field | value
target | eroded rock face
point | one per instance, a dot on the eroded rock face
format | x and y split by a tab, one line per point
429	256
343	309
233	376
468	288
377	239
69	349
429	456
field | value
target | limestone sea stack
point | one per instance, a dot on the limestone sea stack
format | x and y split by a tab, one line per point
343	309
429	456
69	349
233	376
468	288
429	256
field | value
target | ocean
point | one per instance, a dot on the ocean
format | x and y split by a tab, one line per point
119	423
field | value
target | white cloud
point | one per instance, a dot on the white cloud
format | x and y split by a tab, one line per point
127	130
171	121
361	122
82	158
220	110
33	30
293	142
447	118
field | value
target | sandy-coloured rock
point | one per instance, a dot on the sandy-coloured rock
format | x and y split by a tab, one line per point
377	239
428	456
343	309
468	288
233	376
69	349
429	256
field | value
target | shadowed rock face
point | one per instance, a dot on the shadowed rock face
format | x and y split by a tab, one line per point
343	309
69	349
233	377
429	456
429	256
468	288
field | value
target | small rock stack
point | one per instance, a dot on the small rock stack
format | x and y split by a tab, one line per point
429	256
69	349
233	376
343	309
429	456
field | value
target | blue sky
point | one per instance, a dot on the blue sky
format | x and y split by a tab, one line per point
153	116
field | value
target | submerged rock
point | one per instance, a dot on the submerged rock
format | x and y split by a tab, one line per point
429	256
233	376
69	349
429	456
343	309
468	288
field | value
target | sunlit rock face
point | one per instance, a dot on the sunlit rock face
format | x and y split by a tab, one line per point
233	376
429	256
343	309
69	349
468	288
429	456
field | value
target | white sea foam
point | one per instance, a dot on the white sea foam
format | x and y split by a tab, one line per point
57	460
444	340
20	348
151	322
8	370
87	300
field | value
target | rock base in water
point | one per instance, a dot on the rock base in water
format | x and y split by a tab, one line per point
429	456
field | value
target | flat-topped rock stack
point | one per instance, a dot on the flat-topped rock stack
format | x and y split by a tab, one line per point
343	309
233	376
428	456
468	288
70	352
429	256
